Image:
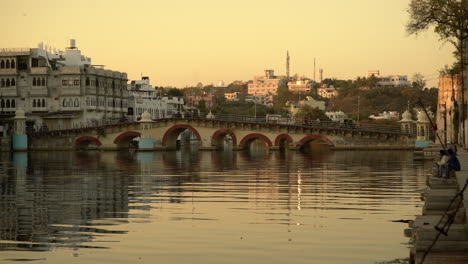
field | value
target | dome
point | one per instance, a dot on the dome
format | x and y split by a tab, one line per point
422	118
145	117
20	114
406	117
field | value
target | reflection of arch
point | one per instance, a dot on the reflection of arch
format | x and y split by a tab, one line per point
283	137
172	133
314	137
126	134
84	139
247	139
218	136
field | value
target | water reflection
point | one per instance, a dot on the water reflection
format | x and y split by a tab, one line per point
79	199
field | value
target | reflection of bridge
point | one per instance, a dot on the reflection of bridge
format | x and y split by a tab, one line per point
211	134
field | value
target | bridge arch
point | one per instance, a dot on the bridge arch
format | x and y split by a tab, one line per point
170	137
283	140
85	141
218	135
309	138
250	137
124	139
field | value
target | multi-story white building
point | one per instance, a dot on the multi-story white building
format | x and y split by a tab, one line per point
266	84
59	89
337	116
145	98
393	80
301	86
327	92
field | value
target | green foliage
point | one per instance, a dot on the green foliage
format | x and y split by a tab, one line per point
202	106
241	109
279	100
175	92
310	113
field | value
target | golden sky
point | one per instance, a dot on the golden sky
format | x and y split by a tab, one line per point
183	42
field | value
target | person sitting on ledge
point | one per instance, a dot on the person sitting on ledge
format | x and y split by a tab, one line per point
442	164
453	164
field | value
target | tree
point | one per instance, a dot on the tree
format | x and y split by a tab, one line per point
418	81
202	106
310	113
450	21
175	92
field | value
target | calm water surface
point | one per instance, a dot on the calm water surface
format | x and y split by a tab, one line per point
207	207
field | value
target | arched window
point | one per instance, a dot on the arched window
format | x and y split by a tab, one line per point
13	82
34	81
2	64
2	83
77	103
70	102
113	103
7	82
113	85
7	64
87	81
43	82
64	103
34	103
422	132
13	103
97	83
43	103
2	104
7	103
13	64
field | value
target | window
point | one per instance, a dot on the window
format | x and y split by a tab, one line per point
64	83
43	103
76	82
2	104
2	83
13	64
70	103
7	65
34	103
87	82
70	82
2	64
43	82
64	103
13	82
77	103
7	103
34	82
7	82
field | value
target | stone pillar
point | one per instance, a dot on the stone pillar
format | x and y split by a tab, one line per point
146	142
20	139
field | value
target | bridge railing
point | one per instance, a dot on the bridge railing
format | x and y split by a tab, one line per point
233	117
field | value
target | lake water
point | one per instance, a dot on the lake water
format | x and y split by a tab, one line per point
207	207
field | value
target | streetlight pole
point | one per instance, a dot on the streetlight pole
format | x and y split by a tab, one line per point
358	110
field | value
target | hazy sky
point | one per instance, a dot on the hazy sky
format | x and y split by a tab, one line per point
183	42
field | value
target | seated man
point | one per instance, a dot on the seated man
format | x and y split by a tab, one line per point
442	164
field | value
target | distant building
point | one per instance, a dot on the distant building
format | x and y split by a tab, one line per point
145	98
266	84
232	97
264	99
337	116
386	115
194	100
327	92
301	86
59	89
309	101
393	81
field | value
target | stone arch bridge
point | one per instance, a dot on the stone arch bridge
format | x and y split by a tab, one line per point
210	134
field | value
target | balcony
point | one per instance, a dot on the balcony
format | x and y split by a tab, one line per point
10	91
70	91
8	71
91	90
38	91
39	70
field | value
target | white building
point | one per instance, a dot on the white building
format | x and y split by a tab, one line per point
262	99
386	115
145	98
309	101
327	92
59	89
393	81
337	116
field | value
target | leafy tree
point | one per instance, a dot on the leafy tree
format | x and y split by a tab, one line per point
418	81
202	106
175	92
310	113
